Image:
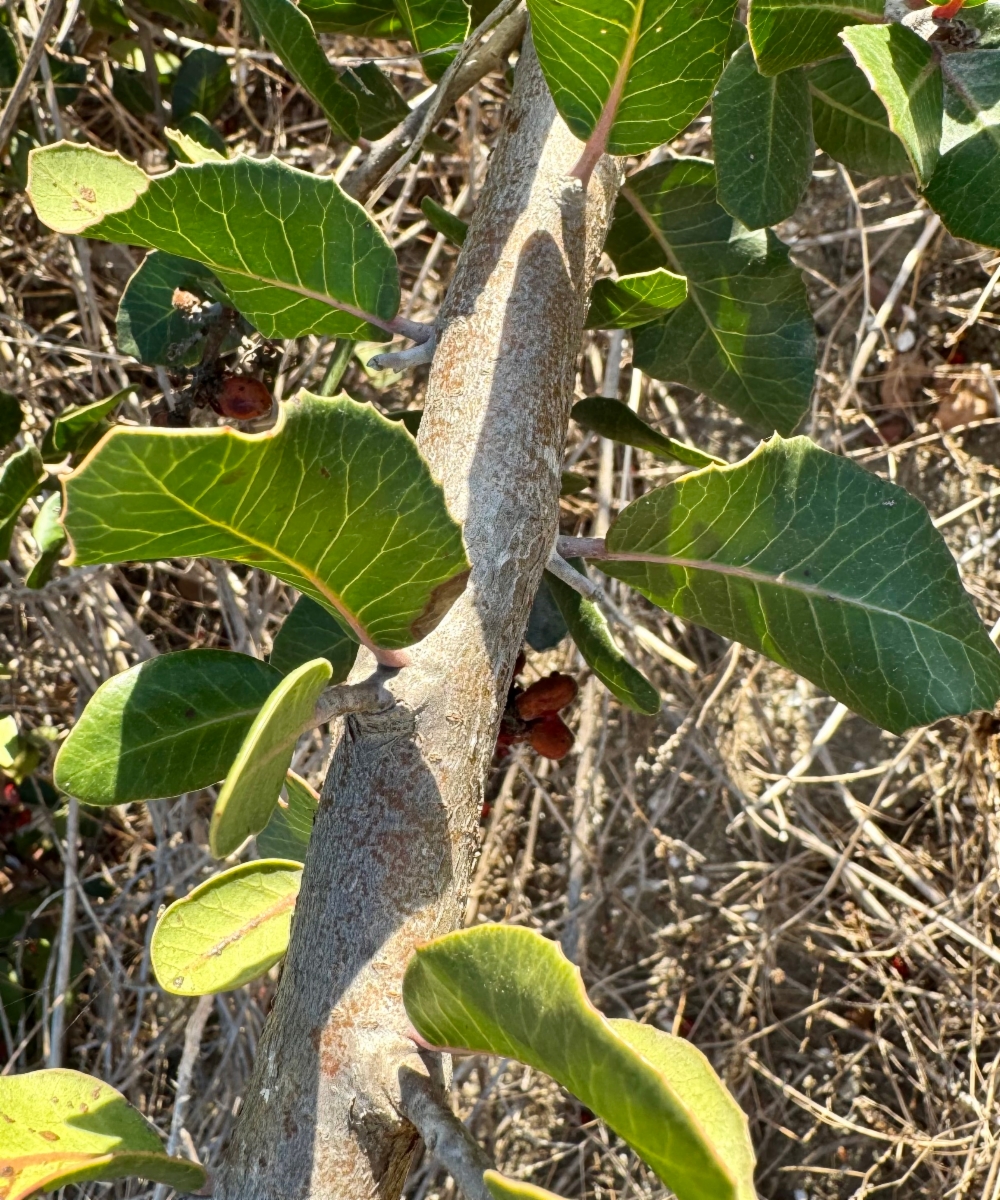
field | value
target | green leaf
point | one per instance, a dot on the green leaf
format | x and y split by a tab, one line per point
588	627
615	420
170	725
228	930
203	85
446	223
501	1187
11	418
744	336
251	790
287	833
508	991
186	12
985	20
792	33
290	35
546	627
107	16
850	122
195	140
129	88
310	632
353	519
150	327
362	18
50	538
690	1073
380	106
19	480
10	64
965	186
62	1127
80	427
572	483
903	71
323	272
433	24
642	68
633	300
824	568
763	140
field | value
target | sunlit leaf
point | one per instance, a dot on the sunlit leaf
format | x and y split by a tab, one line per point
643	68
353	519
19	479
170	725
227	930
763	141
310	632
287	833
432	25
50	538
632	300
588	627
251	790
850	122
508	991
792	33
744	336
296	254
62	1127
966	183
904	72
825	568
615	420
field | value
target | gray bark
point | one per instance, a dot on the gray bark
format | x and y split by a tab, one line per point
396	836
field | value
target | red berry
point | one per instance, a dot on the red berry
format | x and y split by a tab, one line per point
901	966
550	736
548	695
243	398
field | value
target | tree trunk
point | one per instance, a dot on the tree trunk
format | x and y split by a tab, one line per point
396	836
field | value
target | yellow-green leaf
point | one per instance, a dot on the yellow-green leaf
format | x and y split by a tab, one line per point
502	1187
227	930
506	990
632	300
249	795
60	1127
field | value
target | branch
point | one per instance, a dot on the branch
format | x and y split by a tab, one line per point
472	63
574	547
369	696
444	1135
403	360
587	588
19	92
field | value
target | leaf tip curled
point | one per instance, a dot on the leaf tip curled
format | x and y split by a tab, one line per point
73	187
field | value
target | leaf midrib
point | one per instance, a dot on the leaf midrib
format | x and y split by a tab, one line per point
780	581
268	914
144	749
853	113
660	238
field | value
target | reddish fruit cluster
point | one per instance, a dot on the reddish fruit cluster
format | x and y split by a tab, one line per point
532	716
